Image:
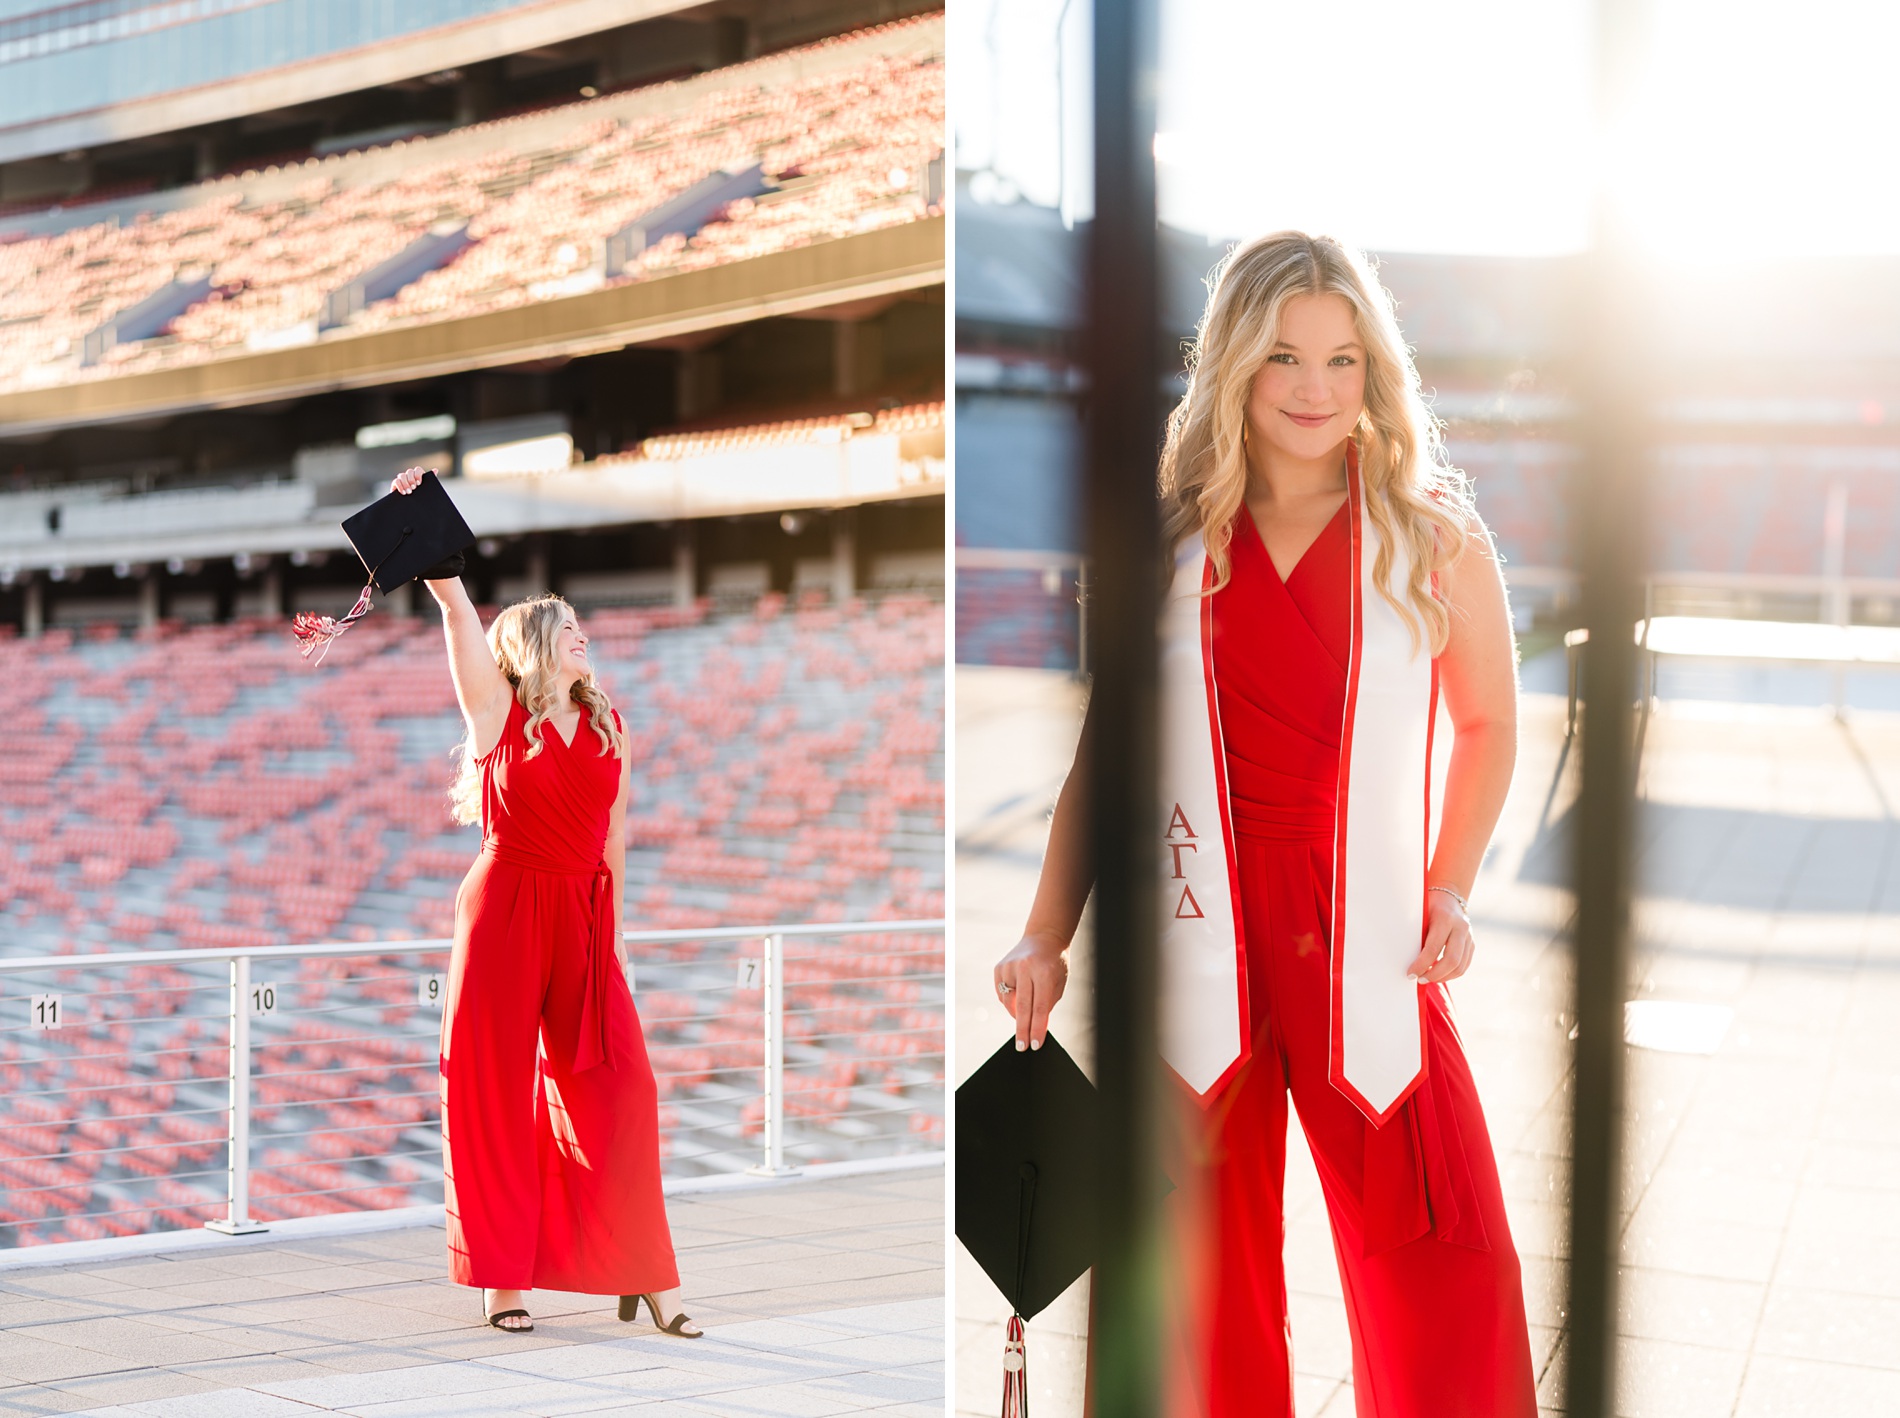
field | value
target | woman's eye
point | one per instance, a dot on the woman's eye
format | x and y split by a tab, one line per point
1281	357
1345	361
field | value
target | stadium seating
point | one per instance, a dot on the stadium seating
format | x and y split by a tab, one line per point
210	789
831	428
1742	508
1718	507
848	143
1011	617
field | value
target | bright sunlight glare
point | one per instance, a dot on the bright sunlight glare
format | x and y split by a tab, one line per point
1764	129
1756	129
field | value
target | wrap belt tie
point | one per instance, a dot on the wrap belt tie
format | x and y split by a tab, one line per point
1419	1177
594	1045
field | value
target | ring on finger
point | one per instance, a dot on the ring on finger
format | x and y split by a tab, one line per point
1003	987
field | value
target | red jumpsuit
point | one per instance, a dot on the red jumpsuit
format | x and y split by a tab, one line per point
1433	1294
551	1165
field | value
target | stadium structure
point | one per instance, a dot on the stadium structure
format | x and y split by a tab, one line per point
1775	491
659	289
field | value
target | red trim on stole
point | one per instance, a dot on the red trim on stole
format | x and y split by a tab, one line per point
1336	1044
1227	841
1425	871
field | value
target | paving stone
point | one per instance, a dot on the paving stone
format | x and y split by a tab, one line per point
1858	1330
1689	1309
35	1399
135	1386
1793	1388
26	1359
338	1326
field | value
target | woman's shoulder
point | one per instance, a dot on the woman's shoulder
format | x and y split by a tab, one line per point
516	714
612	713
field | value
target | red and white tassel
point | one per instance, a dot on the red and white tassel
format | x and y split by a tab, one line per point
1015	1371
315	632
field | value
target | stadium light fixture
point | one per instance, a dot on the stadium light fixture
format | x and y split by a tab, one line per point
434	429
550	453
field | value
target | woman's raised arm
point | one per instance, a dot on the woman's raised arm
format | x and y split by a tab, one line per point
1036	969
481	688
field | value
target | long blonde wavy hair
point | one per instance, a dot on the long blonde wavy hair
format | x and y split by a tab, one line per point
1412	492
522	640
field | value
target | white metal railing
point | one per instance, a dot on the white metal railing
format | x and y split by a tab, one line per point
894	1010
1050	565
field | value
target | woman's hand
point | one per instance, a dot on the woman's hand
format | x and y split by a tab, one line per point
1029	981
1448	944
408	480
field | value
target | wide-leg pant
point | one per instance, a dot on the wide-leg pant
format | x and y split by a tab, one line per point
1434	1297
551	1175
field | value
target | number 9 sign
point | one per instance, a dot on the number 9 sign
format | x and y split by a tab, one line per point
429	991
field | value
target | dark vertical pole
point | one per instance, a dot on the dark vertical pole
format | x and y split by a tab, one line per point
1123	527
1609	514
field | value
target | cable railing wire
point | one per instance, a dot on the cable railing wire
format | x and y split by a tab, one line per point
761	1111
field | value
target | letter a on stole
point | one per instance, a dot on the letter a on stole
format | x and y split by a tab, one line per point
1382	835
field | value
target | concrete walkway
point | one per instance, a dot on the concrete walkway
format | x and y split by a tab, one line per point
818	1297
1762	1200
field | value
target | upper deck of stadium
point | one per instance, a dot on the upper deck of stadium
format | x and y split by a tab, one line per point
843	132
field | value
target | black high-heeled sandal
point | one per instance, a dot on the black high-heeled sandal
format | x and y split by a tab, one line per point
500	1315
630	1311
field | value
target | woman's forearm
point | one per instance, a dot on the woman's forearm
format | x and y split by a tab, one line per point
1476	783
1063	888
451	595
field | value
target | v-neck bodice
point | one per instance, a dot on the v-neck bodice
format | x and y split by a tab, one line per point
1244	523
1280	652
555	803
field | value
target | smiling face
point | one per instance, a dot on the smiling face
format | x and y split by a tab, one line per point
570	646
1309	394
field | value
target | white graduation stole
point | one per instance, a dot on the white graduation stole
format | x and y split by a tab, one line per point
1381	837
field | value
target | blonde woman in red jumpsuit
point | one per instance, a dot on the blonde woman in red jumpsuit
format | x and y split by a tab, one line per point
550	1113
1298	357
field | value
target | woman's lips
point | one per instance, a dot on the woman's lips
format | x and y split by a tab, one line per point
1307	420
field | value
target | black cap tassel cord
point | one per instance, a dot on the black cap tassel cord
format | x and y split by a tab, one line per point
1015	1341
399	537
316	632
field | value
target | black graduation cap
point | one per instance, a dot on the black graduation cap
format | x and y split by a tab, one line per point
1027	1123
1026	1138
399	537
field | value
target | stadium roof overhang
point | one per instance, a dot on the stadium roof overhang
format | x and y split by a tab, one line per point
825	276
581	501
408	56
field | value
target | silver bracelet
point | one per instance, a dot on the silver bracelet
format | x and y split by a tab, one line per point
1462	905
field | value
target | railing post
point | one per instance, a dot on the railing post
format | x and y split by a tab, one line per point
237	1221
774	1164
